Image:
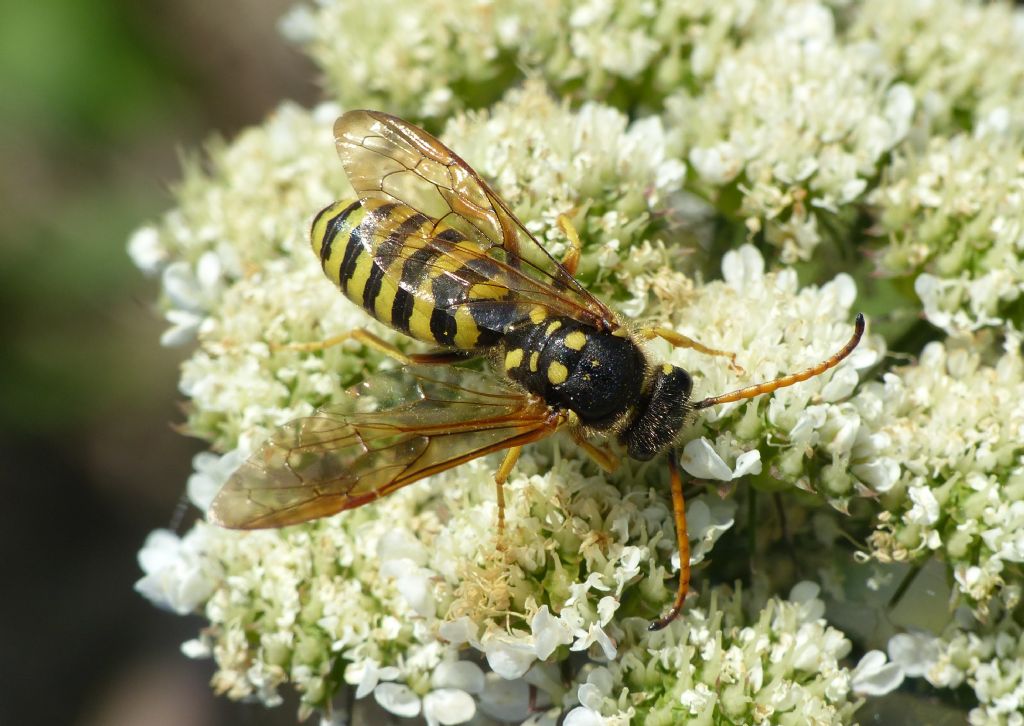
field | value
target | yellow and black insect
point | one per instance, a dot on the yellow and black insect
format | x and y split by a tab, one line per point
431	250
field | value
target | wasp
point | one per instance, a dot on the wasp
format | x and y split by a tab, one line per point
430	249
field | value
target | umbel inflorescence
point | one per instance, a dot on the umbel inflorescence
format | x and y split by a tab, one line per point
750	174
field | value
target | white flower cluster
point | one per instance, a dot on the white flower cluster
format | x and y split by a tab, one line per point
782	665
961	57
221	229
429	59
614	177
993	666
987	656
717	121
243	381
955	426
798	122
954	216
396	589
810	436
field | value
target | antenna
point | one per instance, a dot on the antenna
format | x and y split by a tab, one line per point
769	386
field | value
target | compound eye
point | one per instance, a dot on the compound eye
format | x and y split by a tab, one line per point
683	382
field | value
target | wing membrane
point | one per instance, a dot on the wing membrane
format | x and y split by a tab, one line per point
388	158
473	279
336	460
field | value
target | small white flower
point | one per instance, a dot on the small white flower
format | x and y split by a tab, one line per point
873	676
742	267
805	594
926	507
594	633
549	632
147	251
196	648
462	674
707	519
448	706
697	699
914	653
509	658
583	716
459	631
211	472
178	576
184	325
368	674
398	699
718	164
192	292
702	461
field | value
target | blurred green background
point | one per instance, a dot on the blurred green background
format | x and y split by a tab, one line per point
97	99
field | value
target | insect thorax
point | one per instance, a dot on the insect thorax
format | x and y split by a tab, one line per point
603	378
598	375
412	273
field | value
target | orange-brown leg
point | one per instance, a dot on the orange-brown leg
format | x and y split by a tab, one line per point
678	340
604	458
571	261
500	477
378	344
683	541
815	370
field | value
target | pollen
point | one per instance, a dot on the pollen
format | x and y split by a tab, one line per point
575	340
513	358
557	373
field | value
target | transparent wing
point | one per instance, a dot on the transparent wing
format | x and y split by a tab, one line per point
391	159
495	293
336	460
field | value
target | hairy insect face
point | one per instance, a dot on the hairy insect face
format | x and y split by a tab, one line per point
661	414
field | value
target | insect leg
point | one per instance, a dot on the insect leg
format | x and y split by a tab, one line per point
604	458
500	477
683	540
679	340
380	345
769	386
439	357
572	255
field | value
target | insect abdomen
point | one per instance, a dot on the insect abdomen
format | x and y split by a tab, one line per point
412	273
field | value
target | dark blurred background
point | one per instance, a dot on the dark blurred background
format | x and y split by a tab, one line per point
97	99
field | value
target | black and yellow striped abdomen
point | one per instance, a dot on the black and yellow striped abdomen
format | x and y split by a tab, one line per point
417	275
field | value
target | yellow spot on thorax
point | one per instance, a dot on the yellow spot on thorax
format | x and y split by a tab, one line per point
557	373
513	358
576	340
555	325
537	314
534	357
666	368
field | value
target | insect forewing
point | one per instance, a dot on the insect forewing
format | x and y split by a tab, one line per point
336	460
391	159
